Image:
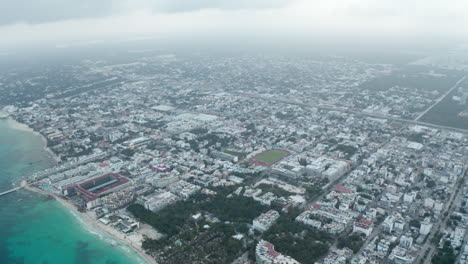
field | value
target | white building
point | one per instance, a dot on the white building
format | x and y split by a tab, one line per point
414	145
387	225
399	224
161	181
265	254
409	197
438	206
406	241
425	228
363	226
429	203
265	220
458	236
158	201
183	189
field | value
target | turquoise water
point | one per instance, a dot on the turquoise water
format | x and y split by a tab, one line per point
36	231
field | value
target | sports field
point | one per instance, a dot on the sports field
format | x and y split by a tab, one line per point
270	157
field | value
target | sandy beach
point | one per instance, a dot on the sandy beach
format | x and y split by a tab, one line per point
3	114
23	127
132	240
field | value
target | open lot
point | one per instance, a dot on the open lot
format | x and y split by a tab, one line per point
447	113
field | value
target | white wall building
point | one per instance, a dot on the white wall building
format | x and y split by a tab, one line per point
406	241
425	228
265	254
265	220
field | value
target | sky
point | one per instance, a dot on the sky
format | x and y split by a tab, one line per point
69	22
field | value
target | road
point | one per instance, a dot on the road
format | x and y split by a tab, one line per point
377	228
391	118
351	111
465	242
441	98
441	225
325	191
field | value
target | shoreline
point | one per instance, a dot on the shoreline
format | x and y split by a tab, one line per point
89	221
23	127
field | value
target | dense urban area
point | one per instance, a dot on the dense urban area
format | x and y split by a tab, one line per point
257	159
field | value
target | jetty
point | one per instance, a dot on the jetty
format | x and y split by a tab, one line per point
12	190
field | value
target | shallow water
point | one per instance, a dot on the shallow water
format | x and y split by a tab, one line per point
36	231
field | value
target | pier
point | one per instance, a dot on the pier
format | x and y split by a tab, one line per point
12	190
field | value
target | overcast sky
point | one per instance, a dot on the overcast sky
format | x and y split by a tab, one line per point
71	21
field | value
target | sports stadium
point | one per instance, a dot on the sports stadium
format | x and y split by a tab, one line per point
270	157
90	190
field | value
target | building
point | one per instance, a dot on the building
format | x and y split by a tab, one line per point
406	241
425	228
118	199
224	156
332	220
429	203
458	236
414	145
162	180
265	254
399	255
92	189
387	225
183	189
164	109
438	206
338	256
138	142
204	180
363	226
409	197
399	225
158	201
265	220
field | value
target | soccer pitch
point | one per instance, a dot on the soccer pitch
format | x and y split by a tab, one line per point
271	156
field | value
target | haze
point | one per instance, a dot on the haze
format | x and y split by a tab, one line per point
394	23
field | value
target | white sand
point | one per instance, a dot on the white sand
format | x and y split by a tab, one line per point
19	126
133	240
23	127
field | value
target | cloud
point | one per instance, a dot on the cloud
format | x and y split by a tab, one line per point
44	11
34	11
241	20
187	6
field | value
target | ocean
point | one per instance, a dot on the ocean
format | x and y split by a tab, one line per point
34	230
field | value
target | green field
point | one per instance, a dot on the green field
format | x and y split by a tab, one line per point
271	156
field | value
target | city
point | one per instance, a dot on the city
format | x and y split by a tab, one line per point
264	159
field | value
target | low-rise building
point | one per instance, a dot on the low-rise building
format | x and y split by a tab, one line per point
363	226
265	220
265	254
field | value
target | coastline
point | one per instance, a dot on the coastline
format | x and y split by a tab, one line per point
86	218
23	127
91	223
